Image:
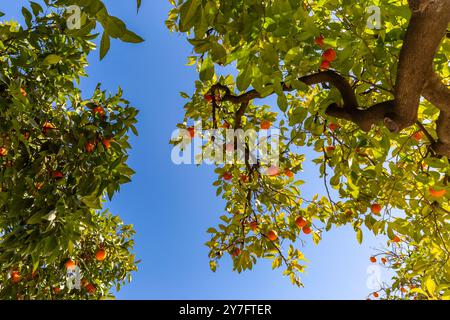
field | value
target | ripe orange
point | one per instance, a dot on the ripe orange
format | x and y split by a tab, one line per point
15	276
325	65
373	259
208	98
272	235
106	143
418	136
47	127
306	229
403	290
320	41
330	148
191	132
437	193
100	255
227	176
23	92
396	239
90	288
70	264
253	225
376	208
3	152
244	178
333	126
90	147
273	171
329	55
266	124
99	111
301	222
289	173
383	260
376	295
56	290
236	252
57	175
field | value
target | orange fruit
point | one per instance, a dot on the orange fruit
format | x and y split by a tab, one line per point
227	176
437	193
373	259
191	132
69	264
272	235
306	229
320	41
99	111
301	222
3	152
330	148
325	65
100	255
376	208
47	127
289	173
253	225
329	55
90	288
90	147
236	252
244	178
418	136
396	239
106	143
23	92
208	98
57	175
273	171
15	277
383	260
266	124
376	295
56	290
333	126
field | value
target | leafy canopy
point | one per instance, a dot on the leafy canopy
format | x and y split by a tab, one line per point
60	155
271	45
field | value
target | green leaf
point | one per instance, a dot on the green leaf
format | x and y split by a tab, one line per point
244	79
359	236
36	218
130	36
207	69
52	59
104	45
187	14
115	27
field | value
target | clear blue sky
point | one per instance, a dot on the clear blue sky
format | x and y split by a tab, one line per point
172	206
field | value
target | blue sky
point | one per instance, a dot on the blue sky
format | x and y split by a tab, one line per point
172	206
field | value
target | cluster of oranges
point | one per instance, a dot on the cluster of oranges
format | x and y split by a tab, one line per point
328	56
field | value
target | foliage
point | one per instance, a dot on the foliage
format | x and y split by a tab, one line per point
61	155
273	43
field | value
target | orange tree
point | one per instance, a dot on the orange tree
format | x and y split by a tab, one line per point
364	87
60	156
